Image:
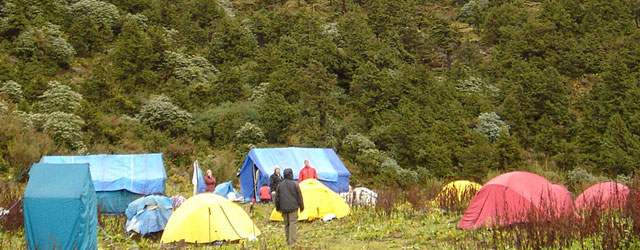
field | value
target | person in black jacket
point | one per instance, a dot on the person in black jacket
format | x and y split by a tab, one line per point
288	200
274	180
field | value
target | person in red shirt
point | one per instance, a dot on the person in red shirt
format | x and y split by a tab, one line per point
265	194
210	181
307	172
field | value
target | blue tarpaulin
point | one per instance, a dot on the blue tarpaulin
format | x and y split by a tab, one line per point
60	208
148	214
200	184
260	163
225	188
119	179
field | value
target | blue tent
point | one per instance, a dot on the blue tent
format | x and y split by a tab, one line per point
225	188
120	179
149	214
60	209
260	162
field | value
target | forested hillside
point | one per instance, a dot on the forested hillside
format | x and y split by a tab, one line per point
404	91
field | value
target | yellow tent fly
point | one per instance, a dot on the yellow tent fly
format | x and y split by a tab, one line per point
208	217
460	187
318	202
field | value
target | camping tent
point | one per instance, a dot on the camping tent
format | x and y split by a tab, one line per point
515	197
459	187
120	179
319	201
260	162
60	207
561	202
603	195
225	188
206	218
148	214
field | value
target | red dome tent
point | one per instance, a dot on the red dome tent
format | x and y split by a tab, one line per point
603	195
562	201
516	197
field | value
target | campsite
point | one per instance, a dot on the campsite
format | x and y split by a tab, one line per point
514	210
406	124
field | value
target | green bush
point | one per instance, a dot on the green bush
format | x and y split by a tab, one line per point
59	97
249	133
102	12
46	43
12	91
160	113
191	69
491	125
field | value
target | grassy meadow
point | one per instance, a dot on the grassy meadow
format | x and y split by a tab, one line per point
400	220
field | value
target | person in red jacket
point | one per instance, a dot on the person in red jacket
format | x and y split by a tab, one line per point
265	193
307	172
210	181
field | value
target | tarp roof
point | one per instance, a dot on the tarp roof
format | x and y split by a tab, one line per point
331	171
137	173
324	160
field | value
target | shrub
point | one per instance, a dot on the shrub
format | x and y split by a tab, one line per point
65	129
20	145
160	113
223	165
490	125
579	179
259	92
191	68
102	12
14	219
475	85
402	176
355	143
59	97
249	133
44	43
140	19
12	91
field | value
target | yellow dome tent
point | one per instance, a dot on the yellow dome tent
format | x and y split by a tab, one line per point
208	217
318	202
460	187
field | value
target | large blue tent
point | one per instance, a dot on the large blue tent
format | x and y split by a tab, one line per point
260	163
120	179
60	209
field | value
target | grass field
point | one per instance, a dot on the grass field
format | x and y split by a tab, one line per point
406	222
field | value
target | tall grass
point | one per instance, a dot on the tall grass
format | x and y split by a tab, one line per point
455	201
12	196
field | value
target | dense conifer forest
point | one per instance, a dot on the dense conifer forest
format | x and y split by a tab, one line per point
405	91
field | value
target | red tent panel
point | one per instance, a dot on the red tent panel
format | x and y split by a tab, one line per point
603	195
516	197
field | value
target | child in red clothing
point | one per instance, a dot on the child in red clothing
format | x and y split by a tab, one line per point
265	194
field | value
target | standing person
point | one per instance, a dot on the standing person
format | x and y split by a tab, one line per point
210	181
288	200
307	172
274	180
